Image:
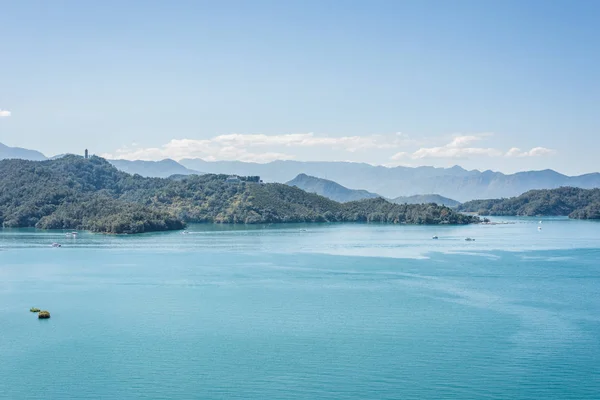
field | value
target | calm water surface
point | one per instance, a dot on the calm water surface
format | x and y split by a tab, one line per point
304	312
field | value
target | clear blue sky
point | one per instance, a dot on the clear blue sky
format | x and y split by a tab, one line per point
463	81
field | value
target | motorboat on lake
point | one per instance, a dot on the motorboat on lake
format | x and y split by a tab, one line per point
435	237
56	245
470	239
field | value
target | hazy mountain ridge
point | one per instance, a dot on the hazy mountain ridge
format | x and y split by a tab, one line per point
454	183
153	169
7	152
329	189
390	182
337	192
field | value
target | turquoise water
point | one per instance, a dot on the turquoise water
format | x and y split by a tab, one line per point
304	312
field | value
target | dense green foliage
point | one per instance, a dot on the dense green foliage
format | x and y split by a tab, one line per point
574	202
426	198
75	193
380	210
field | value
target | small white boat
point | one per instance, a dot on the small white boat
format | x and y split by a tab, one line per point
56	245
184	232
539	228
435	237
470	239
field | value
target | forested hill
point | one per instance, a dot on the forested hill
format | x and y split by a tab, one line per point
574	202
426	198
75	193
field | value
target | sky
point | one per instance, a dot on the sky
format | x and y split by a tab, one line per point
502	85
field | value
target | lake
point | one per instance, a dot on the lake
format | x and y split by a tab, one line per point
315	311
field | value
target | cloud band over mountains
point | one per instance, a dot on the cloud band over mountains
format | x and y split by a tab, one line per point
385	149
463	147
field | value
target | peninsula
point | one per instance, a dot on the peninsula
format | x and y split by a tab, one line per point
73	192
566	201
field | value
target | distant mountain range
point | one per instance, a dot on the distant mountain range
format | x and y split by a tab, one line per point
329	189
453	183
157	169
337	192
19	153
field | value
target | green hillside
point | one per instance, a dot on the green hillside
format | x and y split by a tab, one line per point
574	202
426	198
75	193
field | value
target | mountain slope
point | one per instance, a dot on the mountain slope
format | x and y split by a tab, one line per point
329	189
156	169
425	199
574	202
20	153
454	183
76	193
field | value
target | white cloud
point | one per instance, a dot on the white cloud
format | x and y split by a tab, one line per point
398	148
187	148
348	143
459	147
514	152
258	147
463	147
455	152
535	152
462	141
4	113
540	151
400	155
